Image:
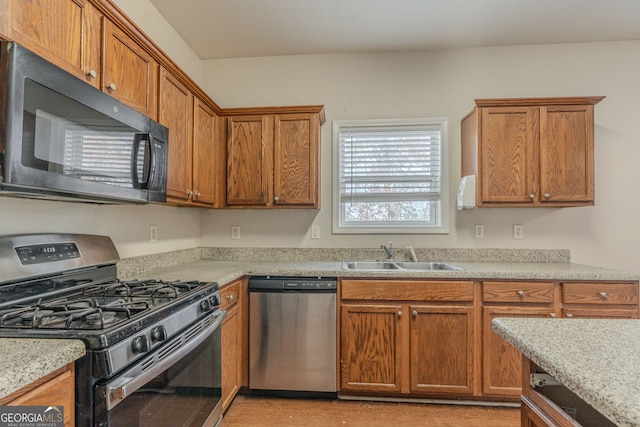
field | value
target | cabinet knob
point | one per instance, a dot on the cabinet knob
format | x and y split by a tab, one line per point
92	74
552	315
532	196
547	195
190	193
400	314
276	199
197	195
230	297
521	293
569	315
112	86
415	313
602	294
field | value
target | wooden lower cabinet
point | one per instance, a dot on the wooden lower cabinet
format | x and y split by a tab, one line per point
371	347
406	347
501	362
441	349
232	346
55	389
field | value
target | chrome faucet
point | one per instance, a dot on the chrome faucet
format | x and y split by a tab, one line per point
389	250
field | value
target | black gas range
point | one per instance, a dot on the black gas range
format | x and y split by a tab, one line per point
149	342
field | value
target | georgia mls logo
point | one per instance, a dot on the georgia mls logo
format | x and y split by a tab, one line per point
31	416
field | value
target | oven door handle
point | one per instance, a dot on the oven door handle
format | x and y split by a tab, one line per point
134	378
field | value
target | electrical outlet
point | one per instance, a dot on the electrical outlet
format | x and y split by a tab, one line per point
518	231
479	231
153	233
235	232
315	231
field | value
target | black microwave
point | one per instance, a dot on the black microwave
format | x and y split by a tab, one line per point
63	139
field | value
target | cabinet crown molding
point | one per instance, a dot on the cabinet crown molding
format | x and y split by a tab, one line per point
507	102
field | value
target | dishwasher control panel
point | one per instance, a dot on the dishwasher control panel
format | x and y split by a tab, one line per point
282	284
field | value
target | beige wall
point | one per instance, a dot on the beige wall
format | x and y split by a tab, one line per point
445	83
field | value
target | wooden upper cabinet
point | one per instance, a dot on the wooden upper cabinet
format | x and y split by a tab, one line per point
566	153
273	159
531	152
130	72
65	32
204	154
508	162
295	172
175	111
249	139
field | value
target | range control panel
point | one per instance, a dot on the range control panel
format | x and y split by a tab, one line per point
38	254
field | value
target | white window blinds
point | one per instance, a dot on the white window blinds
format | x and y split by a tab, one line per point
390	164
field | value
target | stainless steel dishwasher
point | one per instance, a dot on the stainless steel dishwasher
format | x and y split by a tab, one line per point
292	334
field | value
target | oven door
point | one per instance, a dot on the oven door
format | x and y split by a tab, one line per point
179	384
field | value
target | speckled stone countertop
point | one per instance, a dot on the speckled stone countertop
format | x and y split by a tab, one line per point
226	271
25	360
596	359
227	264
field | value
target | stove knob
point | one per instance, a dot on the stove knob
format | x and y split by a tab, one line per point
205	306
158	334
140	344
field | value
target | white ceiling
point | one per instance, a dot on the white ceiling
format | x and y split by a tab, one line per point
246	28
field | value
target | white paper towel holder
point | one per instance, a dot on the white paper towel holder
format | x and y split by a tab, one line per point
467	193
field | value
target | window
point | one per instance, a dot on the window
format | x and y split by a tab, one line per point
390	176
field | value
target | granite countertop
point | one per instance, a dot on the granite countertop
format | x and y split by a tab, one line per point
25	360
598	359
226	271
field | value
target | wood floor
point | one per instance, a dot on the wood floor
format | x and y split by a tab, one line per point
271	411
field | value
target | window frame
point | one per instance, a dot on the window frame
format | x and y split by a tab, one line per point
442	227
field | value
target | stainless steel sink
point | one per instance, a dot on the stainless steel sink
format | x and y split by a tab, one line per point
429	266
369	265
398	266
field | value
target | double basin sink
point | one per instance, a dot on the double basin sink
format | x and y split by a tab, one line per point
398	266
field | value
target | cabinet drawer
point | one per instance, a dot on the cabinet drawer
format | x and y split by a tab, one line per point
600	293
529	292
230	294
404	290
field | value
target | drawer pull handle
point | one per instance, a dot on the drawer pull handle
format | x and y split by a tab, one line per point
521	293
603	294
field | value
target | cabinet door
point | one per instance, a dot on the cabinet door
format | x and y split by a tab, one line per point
501	362
508	157
175	112
204	140
249	145
441	349
295	170
130	73
230	356
55	389
371	341
66	32
566	153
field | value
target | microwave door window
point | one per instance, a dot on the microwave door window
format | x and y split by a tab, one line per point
76	142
